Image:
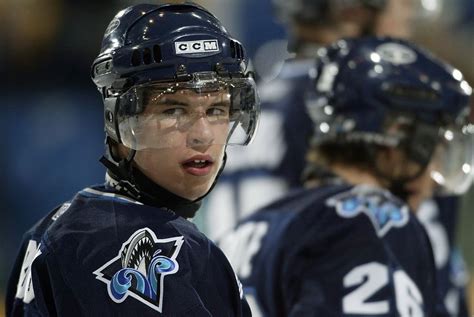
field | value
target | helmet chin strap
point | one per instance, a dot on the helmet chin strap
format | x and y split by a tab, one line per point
397	186
128	179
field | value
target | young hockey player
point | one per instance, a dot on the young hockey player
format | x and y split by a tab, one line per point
175	94
389	123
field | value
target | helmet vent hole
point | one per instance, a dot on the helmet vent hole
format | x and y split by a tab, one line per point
157	53
240	51
233	49
136	58
147	56
236	50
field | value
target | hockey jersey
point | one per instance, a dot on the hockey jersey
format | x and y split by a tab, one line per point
335	250
104	254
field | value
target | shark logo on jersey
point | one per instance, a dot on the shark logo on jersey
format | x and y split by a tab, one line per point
140	267
383	209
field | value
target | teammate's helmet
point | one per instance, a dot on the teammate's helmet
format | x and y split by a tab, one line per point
316	11
150	51
389	92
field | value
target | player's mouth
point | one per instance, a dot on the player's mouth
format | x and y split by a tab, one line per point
198	165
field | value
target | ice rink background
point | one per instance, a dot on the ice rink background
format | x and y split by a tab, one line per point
51	114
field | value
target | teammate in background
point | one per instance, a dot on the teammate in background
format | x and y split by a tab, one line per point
262	173
175	94
389	121
274	163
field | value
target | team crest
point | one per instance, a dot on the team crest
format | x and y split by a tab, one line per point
383	209
140	267
397	54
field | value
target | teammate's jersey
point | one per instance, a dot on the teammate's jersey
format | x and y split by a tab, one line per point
335	251
103	254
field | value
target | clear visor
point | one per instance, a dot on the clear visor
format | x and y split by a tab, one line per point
453	160
206	110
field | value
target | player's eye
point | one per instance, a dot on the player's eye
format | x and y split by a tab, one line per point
218	111
174	112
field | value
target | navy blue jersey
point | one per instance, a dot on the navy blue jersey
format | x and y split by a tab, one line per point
103	254
335	251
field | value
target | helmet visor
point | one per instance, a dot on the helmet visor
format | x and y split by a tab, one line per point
453	167
206	110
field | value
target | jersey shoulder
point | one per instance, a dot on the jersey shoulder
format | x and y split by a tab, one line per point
384	210
328	212
336	204
135	259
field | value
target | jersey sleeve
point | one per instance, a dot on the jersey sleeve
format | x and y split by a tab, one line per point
220	266
36	286
53	295
14	305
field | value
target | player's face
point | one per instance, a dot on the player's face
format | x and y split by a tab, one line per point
397	19
194	127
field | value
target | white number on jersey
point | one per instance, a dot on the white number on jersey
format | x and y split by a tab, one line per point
409	299
375	276
241	245
24	288
371	278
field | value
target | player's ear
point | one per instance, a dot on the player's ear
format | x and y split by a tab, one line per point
390	161
396	164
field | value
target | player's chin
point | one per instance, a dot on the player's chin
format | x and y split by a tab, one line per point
198	186
196	190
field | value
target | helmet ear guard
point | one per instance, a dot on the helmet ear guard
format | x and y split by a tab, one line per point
422	143
110	118
111	108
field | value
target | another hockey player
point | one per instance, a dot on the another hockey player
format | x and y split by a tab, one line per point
274	163
390	122
175	94
261	173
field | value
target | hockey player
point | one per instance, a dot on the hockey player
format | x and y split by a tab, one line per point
175	94
389	122
274	163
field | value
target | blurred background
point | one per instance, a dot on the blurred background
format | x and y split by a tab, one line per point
51	113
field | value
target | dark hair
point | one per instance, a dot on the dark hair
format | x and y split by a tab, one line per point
354	154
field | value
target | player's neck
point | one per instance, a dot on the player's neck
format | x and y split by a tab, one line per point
355	176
